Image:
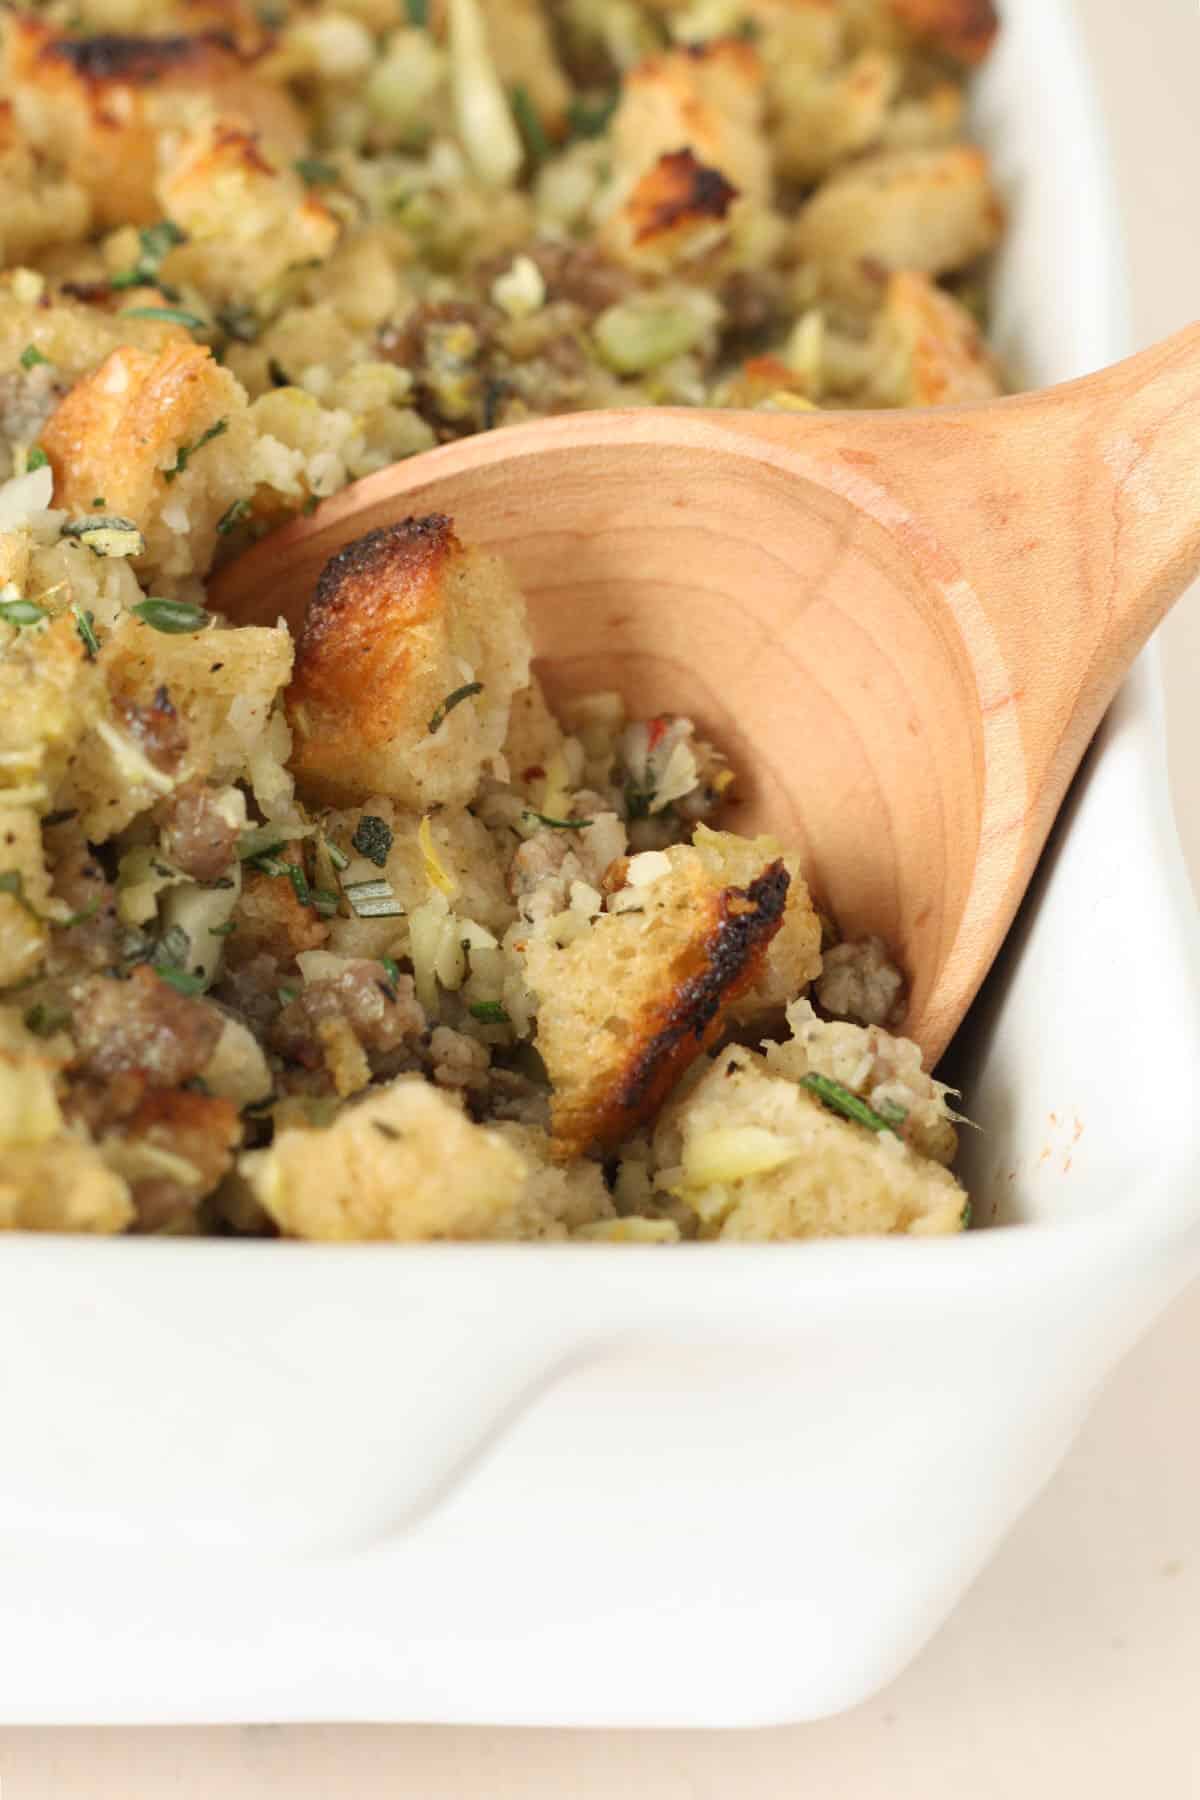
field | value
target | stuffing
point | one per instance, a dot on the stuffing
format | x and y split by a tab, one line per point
62	1186
826	116
522	48
105	107
38	205
933	211
626	1006
963	29
928	350
407	1164
403	622
755	1156
793	956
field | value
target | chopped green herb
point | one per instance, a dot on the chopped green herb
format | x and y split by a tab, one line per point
391	969
558	824
270	865
233	515
325	902
451	701
169	315
299	881
839	1099
225	930
36	459
529	124
418	11
337	857
22	612
314	172
79	918
287	995
310	506
591	118
107	535
489	1012
157	241
31	356
12	883
172	616
172	948
85	625
967	1215
373	839
186	451
99	501
182	980
45	1020
893	1113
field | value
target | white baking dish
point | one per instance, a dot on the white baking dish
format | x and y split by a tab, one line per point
707	1486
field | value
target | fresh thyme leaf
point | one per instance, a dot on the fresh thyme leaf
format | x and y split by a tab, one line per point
839	1099
233	515
489	1012
36	459
392	969
169	315
287	995
85	625
373	839
451	701
31	356
225	930
22	612
156	241
172	616
529	124
558	824
299	881
591	118
418	11
314	172
182	980
185	452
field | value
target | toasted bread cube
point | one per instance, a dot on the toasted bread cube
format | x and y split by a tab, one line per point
103	107
534	738
825	117
688	142
406	1165
248	219
930	351
928	210
61	1186
626	1007
165	438
38	206
73	337
883	1070
757	1157
962	29
24	891
403	621
793	957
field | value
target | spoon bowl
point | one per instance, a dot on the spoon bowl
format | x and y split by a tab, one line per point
902	628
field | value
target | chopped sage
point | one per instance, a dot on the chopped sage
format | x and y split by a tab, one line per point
373	839
185	452
451	701
172	616
31	356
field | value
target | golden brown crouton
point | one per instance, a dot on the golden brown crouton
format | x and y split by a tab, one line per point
270	917
99	105
24	891
758	1157
63	1185
707	102
406	1164
628	1006
823	117
38	206
793	956
163	437
963	29
402	622
928	349
247	218
173	1150
928	210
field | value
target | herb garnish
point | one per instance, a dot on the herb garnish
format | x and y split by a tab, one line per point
373	839
169	315
391	969
36	459
591	118
558	824
839	1099
299	881
186	451
489	1012
313	172
182	980
287	995
373	900
172	616
233	515
22	612
31	356
157	241
337	857
107	535
418	11
324	902
451	701
85	625
529	124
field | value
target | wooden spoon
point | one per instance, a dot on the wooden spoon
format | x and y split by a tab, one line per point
903	628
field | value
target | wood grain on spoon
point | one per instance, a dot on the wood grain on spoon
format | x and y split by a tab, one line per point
903	627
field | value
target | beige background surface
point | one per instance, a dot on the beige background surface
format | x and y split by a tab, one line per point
1073	1665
